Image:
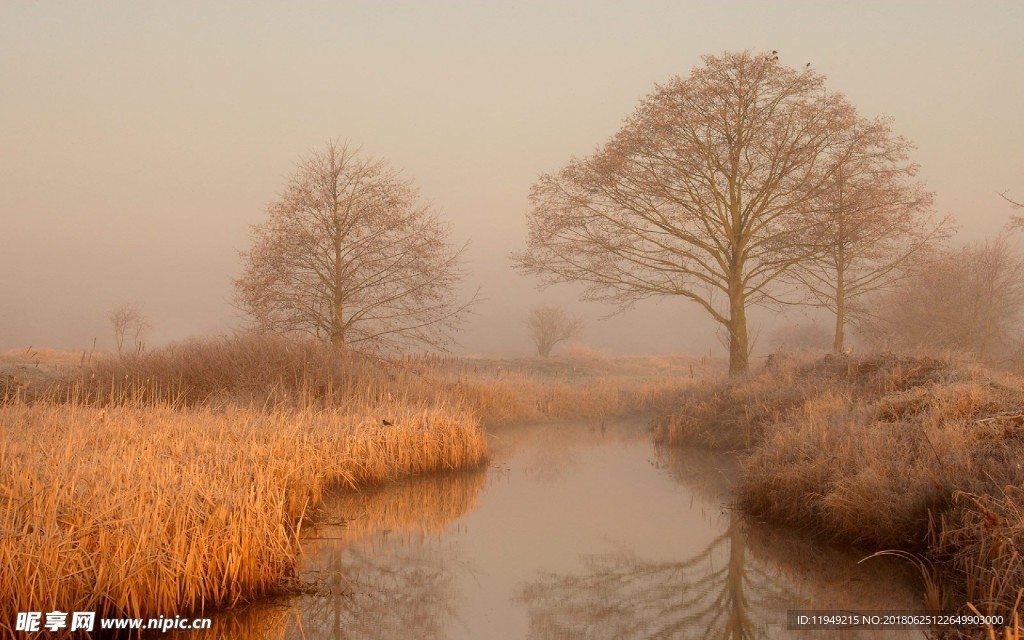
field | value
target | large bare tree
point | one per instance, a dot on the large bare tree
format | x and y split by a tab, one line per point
350	256
550	325
702	194
874	223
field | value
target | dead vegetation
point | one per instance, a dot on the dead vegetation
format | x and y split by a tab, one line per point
266	371
145	510
178	480
918	454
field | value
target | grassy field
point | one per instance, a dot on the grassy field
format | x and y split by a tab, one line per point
179	480
920	455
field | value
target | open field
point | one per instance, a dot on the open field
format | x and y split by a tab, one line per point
915	454
178	481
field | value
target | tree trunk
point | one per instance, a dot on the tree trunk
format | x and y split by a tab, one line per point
737	327
837	345
739	626
840	258
337	301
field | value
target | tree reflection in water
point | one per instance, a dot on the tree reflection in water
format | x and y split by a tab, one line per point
721	592
715	593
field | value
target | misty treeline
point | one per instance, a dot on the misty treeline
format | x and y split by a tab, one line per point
746	183
967	300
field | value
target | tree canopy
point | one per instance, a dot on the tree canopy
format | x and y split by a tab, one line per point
348	254
704	193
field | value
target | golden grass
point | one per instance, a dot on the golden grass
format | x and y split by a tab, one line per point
262	371
178	480
914	454
141	511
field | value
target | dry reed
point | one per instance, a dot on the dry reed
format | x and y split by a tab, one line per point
261	371
915	454
178	480
145	511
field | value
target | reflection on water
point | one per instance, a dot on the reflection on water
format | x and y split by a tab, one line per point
722	591
715	593
575	531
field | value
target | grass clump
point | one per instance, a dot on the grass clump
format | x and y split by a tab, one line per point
917	454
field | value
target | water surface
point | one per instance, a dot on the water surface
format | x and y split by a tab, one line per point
572	531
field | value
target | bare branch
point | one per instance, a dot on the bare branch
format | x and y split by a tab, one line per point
704	193
349	256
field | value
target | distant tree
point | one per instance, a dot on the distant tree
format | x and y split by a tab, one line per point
549	326
703	193
801	335
350	256
873	223
970	300
130	326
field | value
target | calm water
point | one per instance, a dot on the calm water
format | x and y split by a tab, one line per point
573	531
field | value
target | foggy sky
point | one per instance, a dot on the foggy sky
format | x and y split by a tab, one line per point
139	141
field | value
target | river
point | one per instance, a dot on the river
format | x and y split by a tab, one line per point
574	530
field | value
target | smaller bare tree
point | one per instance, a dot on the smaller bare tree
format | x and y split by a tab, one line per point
551	325
130	327
970	300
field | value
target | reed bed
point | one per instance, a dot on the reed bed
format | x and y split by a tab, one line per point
178	481
915	454
141	511
267	371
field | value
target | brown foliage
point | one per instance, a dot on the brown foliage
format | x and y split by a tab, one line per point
549	326
873	224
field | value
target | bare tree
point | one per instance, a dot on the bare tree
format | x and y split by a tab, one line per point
350	256
1016	222
702	194
130	327
873	222
971	300
549	326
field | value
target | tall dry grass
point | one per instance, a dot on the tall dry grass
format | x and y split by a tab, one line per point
142	511
917	454
178	480
268	371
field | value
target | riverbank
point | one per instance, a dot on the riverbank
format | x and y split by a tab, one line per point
179	481
913	454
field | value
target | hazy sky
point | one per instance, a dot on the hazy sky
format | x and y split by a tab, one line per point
140	140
